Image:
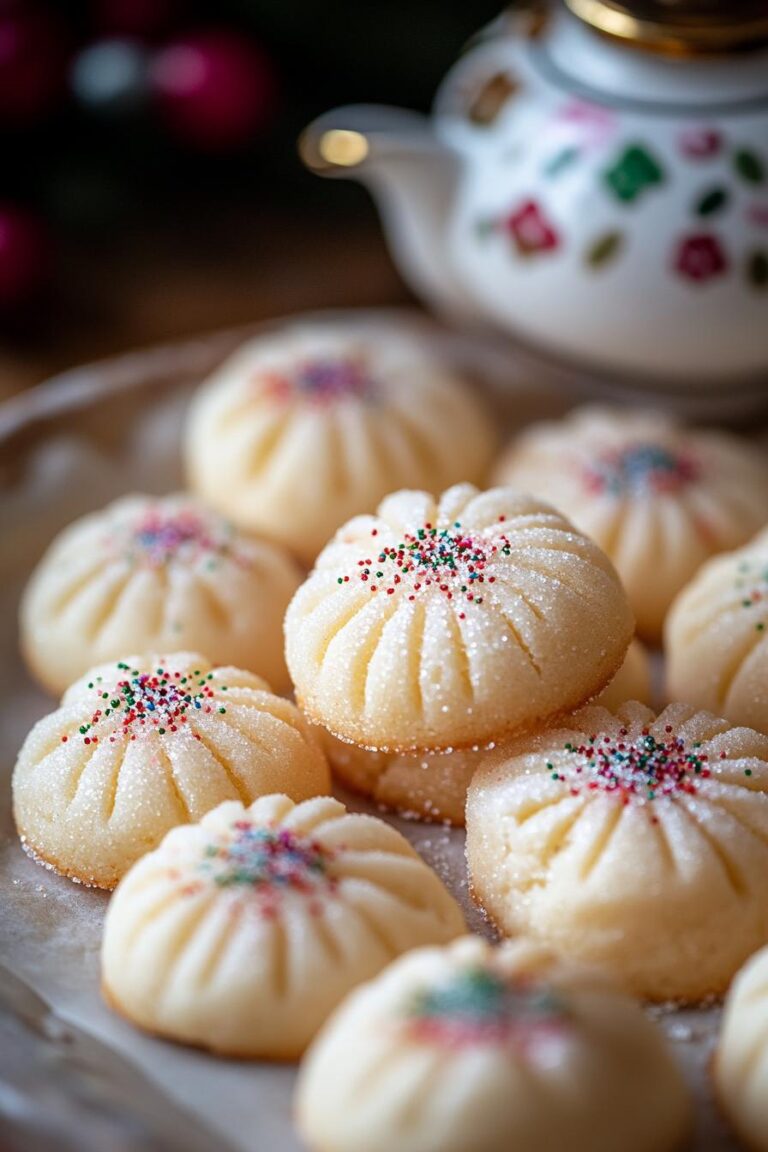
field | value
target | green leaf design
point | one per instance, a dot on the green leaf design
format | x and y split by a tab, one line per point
749	166
757	269
604	249
635	170
712	201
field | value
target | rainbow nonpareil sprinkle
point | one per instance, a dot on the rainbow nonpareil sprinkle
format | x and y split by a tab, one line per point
479	1007
322	380
752	585
454	562
640	769
640	470
159	537
269	863
140	702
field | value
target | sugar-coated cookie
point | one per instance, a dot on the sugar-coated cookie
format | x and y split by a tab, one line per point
315	423
475	1048
145	743
716	637
658	497
242	933
632	681
741	1062
449	622
433	786
634	842
425	786
156	574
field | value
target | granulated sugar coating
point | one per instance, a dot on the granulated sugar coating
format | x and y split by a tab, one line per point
149	574
658	497
716	637
454	622
243	933
303	428
635	842
146	743
488	1048
421	786
741	1061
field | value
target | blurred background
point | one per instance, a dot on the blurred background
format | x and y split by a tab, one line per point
150	186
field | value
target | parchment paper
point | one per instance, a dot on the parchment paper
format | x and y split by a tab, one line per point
66	449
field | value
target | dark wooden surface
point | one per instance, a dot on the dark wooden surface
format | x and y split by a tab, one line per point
131	291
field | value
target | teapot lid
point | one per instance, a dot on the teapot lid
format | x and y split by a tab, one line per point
678	27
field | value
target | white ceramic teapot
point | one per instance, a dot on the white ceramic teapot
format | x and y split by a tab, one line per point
605	202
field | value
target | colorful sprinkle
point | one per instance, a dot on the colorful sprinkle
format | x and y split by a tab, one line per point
157	538
142	702
752	588
451	561
479	1007
639	470
323	381
270	862
642	769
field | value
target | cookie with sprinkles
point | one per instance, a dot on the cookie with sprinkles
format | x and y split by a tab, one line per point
716	637
632	841
316	422
156	574
419	786
658	497
433	786
243	932
472	1046
448	622
145	743
740	1065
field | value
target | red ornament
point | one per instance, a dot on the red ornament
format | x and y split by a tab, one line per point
25	257
530	230
215	90
32	61
700	257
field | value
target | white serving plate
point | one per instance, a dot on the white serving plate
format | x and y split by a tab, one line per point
72	1073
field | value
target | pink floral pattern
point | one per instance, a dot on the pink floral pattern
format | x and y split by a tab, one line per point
700	143
530	229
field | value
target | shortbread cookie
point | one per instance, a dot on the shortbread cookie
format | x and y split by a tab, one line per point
439	624
243	932
633	680
634	842
146	743
433	786
741	1063
149	574
426	786
475	1048
659	498
716	637
304	428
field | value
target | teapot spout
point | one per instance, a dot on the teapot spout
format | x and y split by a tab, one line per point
413	177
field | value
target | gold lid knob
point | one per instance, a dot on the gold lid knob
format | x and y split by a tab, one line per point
679	27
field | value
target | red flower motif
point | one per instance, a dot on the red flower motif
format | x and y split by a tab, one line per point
530	229
700	143
700	257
